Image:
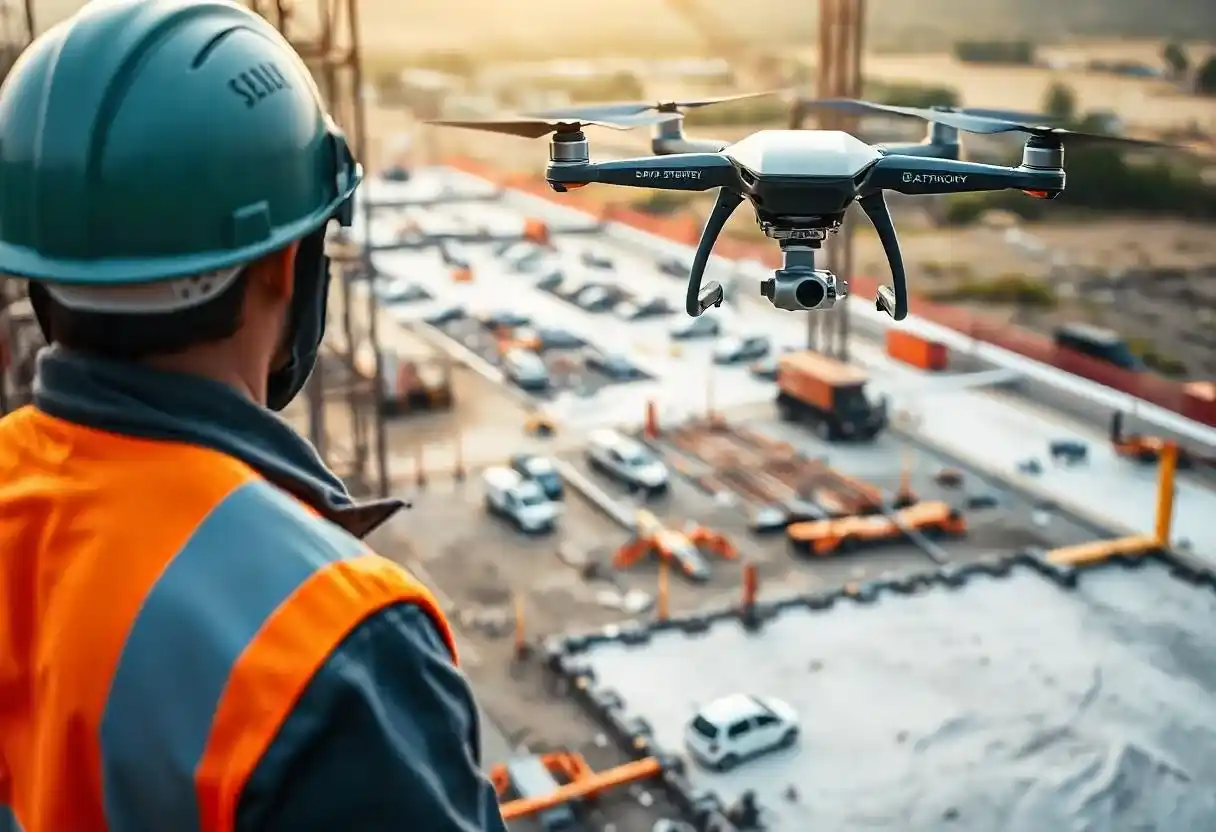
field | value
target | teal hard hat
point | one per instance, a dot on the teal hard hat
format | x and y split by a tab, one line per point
144	140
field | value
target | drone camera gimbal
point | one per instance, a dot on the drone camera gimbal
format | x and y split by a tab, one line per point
800	183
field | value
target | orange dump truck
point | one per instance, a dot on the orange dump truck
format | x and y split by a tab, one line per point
829	395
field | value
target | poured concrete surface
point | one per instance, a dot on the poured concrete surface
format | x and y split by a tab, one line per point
1007	704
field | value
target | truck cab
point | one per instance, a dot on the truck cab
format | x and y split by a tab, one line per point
829	395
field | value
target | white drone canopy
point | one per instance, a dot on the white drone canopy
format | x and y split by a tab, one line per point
803	153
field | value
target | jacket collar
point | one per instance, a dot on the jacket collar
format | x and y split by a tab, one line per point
150	404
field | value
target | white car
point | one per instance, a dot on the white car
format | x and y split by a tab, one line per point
627	461
741	348
740	727
520	500
518	255
526	369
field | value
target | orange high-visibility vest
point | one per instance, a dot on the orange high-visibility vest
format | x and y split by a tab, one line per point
162	607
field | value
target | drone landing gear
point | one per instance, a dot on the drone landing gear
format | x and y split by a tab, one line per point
701	298
891	299
798	286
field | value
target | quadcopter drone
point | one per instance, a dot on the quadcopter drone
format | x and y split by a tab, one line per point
799	182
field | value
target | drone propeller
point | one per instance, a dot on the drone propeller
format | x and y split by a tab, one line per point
983	123
614	110
535	128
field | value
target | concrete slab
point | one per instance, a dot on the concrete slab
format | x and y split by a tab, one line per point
1005	703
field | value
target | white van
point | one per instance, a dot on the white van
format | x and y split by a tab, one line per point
627	461
519	500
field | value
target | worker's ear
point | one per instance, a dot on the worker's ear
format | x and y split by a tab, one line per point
274	275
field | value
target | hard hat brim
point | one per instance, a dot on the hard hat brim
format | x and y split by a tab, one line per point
24	262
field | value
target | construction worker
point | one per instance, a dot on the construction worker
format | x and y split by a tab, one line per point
192	634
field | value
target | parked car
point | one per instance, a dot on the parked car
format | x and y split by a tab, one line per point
503	318
594	258
556	338
674	267
642	308
540	264
627	461
688	329
453	254
446	315
740	727
613	365
540	470
515	253
550	280
736	350
398	291
520	500
765	368
525	369
595	299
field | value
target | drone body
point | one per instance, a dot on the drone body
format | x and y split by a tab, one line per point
800	183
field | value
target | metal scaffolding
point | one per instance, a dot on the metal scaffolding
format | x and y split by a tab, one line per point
841	42
19	339
344	397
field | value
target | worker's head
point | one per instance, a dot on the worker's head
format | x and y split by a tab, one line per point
167	173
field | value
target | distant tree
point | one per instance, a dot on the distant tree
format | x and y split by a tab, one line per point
1060	102
916	95
1016	52
1205	78
1177	62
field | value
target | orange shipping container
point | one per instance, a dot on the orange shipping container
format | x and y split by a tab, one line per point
916	351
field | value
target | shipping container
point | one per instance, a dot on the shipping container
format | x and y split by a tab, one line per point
916	351
1199	401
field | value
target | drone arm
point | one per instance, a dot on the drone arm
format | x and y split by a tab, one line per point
924	150
891	299
927	175
678	172
698	300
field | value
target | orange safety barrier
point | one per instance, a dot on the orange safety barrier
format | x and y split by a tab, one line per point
1165	393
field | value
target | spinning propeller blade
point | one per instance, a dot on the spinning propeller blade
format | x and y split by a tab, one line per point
535	128
984	124
613	110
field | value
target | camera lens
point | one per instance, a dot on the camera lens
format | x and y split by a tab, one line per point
810	293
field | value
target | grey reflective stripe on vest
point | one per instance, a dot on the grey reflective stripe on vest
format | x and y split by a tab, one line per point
248	556
8	820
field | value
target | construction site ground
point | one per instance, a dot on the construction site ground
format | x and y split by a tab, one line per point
478	566
1012	523
1000	703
